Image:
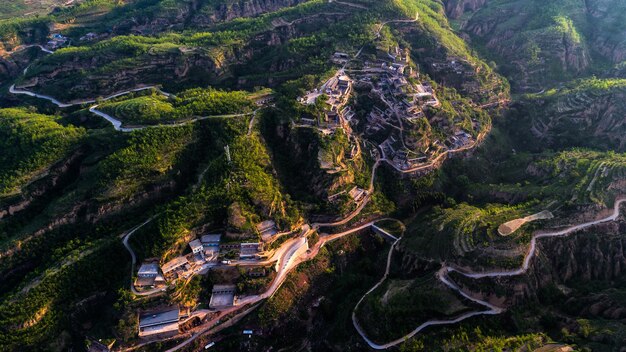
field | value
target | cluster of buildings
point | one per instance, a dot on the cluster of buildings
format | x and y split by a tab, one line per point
455	65
338	90
205	253
407	100
56	41
167	322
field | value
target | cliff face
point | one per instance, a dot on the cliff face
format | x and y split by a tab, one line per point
198	14
538	43
456	8
115	70
303	144
607	30
531	57
595	114
598	255
149	69
8	69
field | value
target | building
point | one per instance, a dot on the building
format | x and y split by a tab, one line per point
249	250
196	246
178	266
222	296
160	324
211	240
211	246
357	194
88	37
56	41
149	275
267	229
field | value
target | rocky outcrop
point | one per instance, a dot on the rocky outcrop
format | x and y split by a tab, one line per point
595	255
593	113
456	8
8	69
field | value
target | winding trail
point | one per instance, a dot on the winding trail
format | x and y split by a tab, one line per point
442	275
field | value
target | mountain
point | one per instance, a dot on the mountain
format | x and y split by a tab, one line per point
322	175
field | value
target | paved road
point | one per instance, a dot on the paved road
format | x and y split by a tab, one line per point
117	124
533	246
60	104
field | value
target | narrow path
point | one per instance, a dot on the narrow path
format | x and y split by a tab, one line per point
133	257
24	47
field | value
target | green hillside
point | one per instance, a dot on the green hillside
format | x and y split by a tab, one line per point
31	143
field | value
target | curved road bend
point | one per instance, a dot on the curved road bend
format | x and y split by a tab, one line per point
117	124
60	104
533	245
287	263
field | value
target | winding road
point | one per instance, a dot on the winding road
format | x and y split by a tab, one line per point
117	124
442	275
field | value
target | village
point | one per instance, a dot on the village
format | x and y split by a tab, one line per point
261	261
407	102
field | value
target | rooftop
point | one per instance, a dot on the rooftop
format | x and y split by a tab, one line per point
148	269
153	319
174	263
195	244
211	238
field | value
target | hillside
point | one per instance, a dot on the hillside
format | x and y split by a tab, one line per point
31	143
536	44
29	8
